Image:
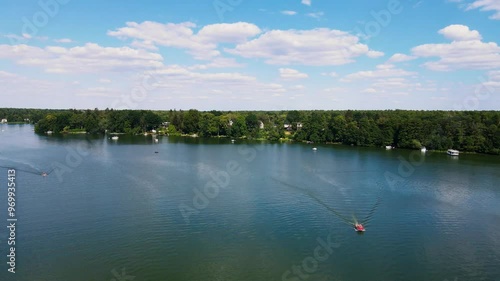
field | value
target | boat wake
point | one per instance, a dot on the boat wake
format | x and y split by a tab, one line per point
312	196
26	168
351	222
366	220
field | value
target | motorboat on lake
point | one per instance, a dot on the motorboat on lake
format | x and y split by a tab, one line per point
359	227
453	152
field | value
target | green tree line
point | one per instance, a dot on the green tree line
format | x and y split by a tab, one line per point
473	131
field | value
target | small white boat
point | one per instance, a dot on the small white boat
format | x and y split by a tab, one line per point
49	132
423	149
232	141
315	149
145	134
453	152
156	140
388	147
114	138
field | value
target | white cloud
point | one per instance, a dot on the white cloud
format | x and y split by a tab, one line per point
168	35
104	81
297	88
218	62
306	2
335	90
227	32
401	58
289	13
201	45
493	82
146	45
374	54
288	73
331	74
29	91
23	38
63	40
382	71
99	92
369	91
463	53
486	5
458	32
87	58
316	15
494	75
393	86
181	81
320	46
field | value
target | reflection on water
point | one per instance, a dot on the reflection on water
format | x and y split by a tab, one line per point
117	206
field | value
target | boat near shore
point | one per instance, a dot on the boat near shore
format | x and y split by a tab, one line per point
453	152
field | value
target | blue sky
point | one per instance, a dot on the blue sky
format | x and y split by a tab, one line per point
251	55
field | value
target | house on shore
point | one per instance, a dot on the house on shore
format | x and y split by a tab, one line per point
291	127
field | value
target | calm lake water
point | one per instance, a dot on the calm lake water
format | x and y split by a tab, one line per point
114	210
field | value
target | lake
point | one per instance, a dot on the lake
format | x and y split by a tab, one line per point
209	209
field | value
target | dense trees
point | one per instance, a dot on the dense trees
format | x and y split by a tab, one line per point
477	131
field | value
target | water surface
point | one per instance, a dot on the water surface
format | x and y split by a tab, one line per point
116	205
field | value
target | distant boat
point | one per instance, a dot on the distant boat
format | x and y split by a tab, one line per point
49	132
453	152
145	134
115	138
232	141
423	149
315	149
388	147
156	140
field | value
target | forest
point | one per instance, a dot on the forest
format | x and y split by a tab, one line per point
472	131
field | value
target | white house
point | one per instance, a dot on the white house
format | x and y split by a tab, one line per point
261	125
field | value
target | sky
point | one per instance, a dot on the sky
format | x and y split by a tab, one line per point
250	55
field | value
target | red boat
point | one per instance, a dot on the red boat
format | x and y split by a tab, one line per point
359	227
